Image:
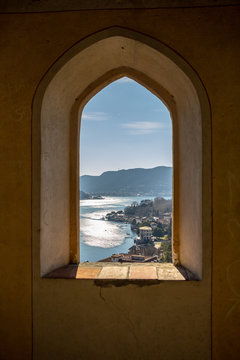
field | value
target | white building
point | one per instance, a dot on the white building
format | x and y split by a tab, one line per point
145	234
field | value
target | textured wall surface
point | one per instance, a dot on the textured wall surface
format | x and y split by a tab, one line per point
117	322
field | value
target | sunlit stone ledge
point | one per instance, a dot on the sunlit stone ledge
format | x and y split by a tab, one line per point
129	272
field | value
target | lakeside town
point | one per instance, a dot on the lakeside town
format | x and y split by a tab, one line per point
151	220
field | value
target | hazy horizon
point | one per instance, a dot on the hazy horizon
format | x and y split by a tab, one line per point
146	168
124	126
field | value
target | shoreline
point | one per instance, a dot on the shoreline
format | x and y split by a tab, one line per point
122	230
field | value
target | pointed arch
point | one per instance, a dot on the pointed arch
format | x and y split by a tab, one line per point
78	75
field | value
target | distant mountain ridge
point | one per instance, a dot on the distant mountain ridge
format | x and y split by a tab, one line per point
155	181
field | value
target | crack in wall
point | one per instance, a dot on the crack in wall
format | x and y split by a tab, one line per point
125	316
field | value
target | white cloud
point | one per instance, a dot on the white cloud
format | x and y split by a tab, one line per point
143	127
95	116
124	80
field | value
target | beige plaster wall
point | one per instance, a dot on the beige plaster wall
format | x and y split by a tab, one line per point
118	322
98	60
70	82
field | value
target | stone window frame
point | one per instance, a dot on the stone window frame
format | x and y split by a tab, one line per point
55	172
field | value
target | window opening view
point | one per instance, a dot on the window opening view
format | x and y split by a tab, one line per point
125	176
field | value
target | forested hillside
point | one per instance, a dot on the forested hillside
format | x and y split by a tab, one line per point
156	181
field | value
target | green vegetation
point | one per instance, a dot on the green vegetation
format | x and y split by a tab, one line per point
129	182
155	214
159	231
134	222
167	252
149	208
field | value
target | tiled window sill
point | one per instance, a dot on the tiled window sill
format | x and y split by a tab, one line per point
128	272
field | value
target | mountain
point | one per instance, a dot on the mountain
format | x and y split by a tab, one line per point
155	181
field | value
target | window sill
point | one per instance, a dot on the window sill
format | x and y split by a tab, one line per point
127	272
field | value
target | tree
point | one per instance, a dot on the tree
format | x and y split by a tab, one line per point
129	210
167	252
158	232
134	204
169	230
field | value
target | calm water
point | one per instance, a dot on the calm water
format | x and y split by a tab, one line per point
99	238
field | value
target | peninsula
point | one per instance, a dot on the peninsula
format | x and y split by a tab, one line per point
85	196
152	222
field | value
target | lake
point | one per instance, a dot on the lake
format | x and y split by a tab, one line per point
100	239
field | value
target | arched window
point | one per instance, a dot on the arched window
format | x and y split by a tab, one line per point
126	175
61	96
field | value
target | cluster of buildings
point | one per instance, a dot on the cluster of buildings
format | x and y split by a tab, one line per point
120	216
144	250
132	258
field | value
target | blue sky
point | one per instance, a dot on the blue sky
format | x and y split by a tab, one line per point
124	126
